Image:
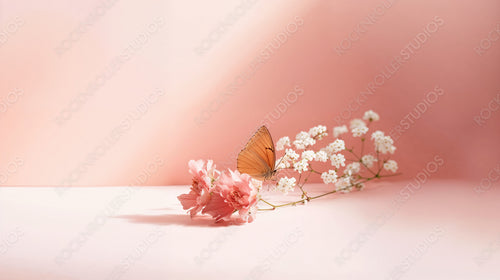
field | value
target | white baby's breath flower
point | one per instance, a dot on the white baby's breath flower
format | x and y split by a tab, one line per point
308	155
282	143
338	145
318	132
357	123
303	139
329	177
334	147
384	144
377	135
286	161
344	184
391	165
339	130
257	184
338	160
301	165
282	162
359	131
352	168
286	185
368	160
392	149
321	156
371	116
291	154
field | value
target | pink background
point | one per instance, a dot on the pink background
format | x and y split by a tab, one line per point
36	150
165	101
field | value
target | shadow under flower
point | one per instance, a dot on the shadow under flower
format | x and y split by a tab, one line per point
179	219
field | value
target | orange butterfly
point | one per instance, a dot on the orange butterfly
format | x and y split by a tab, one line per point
258	158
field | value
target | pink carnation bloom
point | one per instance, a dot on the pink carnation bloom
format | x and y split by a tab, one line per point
233	192
203	176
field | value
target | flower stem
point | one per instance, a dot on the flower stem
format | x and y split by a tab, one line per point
362	146
378	161
390	175
359	159
270	204
310	197
304	194
312	170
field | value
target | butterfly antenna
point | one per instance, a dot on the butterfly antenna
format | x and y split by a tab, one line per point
275	168
281	159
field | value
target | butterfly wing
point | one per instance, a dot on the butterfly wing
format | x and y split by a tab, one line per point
258	158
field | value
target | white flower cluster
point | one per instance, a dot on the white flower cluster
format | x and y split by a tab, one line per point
301	165
318	132
358	127
321	156
357	123
286	185
329	177
377	134
383	144
303	140
371	116
344	184
308	155
352	168
338	160
287	160
391	165
282	143
336	146
359	131
368	160
339	130
291	158
352	176
257	184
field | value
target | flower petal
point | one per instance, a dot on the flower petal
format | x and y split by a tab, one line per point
218	208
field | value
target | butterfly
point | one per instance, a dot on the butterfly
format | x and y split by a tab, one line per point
258	158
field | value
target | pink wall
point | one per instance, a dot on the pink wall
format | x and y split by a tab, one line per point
140	87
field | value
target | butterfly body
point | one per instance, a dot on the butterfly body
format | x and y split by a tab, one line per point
258	157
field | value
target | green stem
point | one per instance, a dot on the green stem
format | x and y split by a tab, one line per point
390	175
270	204
304	194
309	198
362	146
378	162
312	170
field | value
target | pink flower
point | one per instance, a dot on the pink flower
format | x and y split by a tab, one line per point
204	174
233	192
220	195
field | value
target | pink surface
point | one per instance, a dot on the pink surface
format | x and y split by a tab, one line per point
168	92
442	230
